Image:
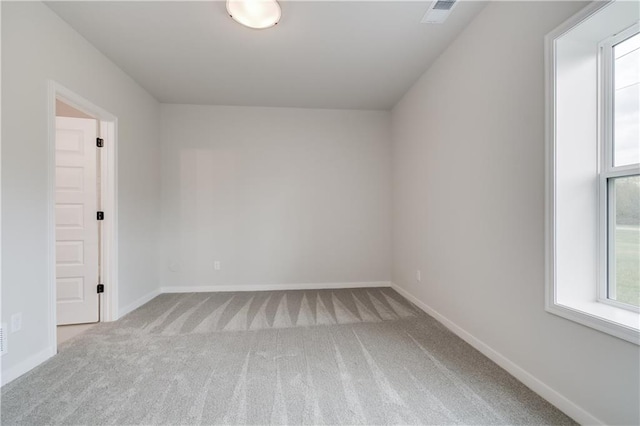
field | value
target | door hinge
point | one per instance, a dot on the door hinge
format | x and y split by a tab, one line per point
100	215
100	288
99	142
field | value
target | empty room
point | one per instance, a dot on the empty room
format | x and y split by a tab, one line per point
315	212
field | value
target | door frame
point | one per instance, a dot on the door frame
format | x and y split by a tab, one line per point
108	301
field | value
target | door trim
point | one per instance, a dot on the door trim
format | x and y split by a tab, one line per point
108	302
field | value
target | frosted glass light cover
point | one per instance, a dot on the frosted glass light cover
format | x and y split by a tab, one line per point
257	14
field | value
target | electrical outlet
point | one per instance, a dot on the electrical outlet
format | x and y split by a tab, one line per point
418	275
16	322
216	265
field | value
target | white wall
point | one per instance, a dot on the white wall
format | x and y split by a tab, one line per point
468	209
36	46
278	196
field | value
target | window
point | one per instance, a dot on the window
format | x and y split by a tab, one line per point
593	169
619	77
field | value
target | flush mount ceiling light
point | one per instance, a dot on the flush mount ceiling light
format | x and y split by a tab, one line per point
256	14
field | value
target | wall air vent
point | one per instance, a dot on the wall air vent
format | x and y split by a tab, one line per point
3	339
438	11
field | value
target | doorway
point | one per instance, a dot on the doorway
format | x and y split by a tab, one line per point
82	214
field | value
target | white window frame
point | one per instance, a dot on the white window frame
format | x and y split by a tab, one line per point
607	171
605	317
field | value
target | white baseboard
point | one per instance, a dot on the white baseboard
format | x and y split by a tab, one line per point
137	303
26	365
271	287
568	407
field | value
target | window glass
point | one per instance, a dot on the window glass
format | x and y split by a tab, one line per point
626	286
626	144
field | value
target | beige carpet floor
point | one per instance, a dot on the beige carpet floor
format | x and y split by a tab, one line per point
362	356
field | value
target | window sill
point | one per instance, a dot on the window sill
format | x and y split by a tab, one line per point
609	319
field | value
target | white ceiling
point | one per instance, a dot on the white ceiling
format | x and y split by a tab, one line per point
322	54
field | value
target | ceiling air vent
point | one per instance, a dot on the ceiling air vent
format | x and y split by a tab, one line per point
438	11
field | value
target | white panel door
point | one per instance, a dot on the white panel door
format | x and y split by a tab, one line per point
76	225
